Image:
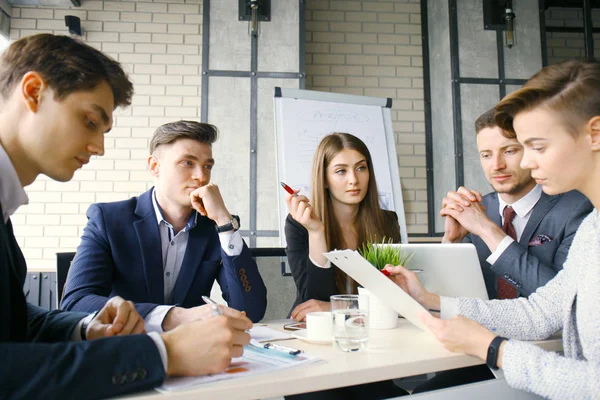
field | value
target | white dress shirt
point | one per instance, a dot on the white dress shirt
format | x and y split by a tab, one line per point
12	196
523	208
173	246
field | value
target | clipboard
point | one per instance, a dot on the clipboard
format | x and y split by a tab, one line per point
353	264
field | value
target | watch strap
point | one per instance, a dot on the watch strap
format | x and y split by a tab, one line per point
492	353
230	226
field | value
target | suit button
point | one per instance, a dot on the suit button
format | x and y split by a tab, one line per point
506	276
141	373
130	376
519	285
117	379
247	288
242	271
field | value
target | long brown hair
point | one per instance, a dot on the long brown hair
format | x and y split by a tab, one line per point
370	221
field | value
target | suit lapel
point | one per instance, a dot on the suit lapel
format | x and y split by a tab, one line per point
542	207
148	235
492	209
198	241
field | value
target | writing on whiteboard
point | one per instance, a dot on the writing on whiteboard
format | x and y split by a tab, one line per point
334	115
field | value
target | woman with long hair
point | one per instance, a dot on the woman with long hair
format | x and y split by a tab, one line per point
556	117
344	213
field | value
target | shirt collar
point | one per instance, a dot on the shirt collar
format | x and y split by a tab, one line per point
525	204
191	223
12	194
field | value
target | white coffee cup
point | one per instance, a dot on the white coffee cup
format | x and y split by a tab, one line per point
318	325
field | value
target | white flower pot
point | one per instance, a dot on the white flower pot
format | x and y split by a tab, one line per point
381	316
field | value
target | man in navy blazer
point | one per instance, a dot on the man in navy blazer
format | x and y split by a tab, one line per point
54	89
545	225
164	249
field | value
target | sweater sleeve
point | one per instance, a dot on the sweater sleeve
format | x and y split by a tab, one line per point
533	318
550	375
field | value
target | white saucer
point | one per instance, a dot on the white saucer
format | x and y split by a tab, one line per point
302	336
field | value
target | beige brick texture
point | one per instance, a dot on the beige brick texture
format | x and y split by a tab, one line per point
374	49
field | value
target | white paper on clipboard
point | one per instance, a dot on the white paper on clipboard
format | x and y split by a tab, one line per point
353	264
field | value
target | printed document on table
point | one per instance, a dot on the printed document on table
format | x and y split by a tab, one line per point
266	334
255	360
363	272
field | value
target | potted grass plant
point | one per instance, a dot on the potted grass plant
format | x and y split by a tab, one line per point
380	254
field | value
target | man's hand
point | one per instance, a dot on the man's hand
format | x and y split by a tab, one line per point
205	347
208	202
118	317
409	282
454	232
178	315
460	334
299	313
474	219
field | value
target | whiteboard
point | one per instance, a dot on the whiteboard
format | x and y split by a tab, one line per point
304	117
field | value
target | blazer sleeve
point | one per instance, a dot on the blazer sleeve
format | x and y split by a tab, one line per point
90	279
50	326
527	269
241	284
79	370
311	281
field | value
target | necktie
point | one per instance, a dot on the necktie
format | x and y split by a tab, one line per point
505	289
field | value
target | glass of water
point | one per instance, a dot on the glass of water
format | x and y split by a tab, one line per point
350	313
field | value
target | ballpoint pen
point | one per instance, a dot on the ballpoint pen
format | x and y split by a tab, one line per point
288	350
288	189
215	306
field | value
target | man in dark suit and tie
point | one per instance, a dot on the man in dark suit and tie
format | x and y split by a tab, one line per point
57	97
161	253
522	235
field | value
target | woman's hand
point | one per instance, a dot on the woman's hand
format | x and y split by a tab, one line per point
299	313
409	282
460	334
300	209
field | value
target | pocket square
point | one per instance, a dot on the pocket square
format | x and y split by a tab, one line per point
539	240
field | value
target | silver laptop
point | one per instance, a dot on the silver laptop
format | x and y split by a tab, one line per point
448	269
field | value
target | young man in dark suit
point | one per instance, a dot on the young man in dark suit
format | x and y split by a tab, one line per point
522	235
157	250
57	97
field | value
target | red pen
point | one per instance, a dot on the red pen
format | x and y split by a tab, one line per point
288	189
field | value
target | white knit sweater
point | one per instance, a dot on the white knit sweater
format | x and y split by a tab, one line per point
571	302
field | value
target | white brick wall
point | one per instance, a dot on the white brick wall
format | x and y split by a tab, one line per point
373	48
159	43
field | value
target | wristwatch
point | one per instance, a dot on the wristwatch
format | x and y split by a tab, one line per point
233	225
492	353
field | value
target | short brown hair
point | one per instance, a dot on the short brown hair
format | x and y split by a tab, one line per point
571	89
169	133
486	120
67	65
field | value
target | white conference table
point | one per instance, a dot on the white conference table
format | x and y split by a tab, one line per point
395	353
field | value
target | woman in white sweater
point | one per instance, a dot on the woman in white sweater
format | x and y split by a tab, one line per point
556	117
